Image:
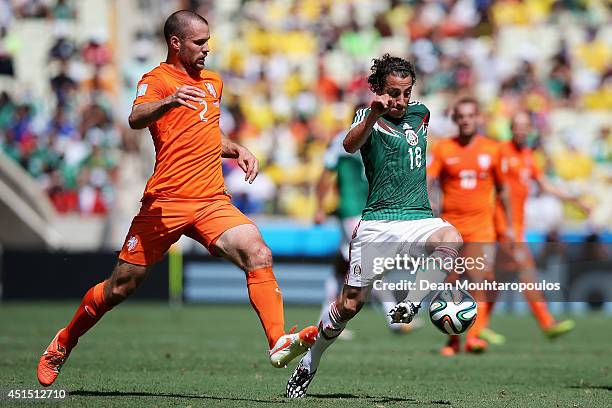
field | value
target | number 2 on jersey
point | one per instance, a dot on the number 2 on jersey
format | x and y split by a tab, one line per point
416	157
202	113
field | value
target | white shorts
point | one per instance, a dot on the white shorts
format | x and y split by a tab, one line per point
384	239
348	228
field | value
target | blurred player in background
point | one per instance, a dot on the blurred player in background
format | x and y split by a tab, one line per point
179	102
469	170
347	172
521	170
392	137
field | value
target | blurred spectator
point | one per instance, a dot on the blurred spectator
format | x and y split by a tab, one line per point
64	10
9	46
63	85
31	8
601	149
96	52
63	49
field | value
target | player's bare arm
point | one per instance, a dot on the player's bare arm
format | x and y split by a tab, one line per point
545	185
358	135
145	114
324	184
246	160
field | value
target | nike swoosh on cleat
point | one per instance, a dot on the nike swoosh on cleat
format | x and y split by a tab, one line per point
284	346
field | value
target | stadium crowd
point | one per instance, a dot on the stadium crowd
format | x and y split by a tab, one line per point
68	143
294	73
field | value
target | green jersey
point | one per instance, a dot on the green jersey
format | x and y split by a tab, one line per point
395	165
351	179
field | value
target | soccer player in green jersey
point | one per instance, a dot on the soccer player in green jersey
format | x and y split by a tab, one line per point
345	172
392	136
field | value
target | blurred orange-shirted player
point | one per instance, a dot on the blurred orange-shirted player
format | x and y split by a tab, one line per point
469	170
521	171
179	103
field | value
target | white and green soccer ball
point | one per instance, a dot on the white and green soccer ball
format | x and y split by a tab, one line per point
452	311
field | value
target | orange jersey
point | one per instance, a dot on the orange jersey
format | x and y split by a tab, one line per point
187	142
521	168
468	175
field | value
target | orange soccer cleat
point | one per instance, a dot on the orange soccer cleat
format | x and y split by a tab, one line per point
475	345
452	346
51	362
291	345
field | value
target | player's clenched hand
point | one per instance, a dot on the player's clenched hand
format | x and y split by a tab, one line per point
248	163
381	104
186	94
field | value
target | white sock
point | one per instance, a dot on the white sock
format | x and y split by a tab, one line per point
330	328
435	274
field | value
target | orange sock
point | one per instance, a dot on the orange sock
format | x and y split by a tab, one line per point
92	308
541	313
482	320
266	298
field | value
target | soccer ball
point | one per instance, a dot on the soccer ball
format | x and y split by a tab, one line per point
452	312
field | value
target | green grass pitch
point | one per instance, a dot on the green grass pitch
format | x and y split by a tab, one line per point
152	355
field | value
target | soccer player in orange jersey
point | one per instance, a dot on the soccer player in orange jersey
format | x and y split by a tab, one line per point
521	169
469	170
179	102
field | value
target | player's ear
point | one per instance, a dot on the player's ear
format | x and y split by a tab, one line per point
175	42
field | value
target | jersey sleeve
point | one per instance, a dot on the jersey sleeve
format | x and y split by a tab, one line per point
150	89
360	115
424	114
434	162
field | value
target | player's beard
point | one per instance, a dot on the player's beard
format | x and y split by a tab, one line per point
191	63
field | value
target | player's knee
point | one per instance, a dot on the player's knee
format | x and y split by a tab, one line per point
260	256
452	236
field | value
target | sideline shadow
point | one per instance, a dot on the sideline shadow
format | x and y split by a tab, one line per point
87	393
377	399
591	387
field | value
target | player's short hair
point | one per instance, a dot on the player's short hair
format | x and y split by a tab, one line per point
388	65
466	100
177	23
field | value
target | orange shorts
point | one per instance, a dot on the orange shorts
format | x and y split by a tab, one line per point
473	229
161	222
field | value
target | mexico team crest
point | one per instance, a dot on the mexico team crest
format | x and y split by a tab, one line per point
211	89
411	136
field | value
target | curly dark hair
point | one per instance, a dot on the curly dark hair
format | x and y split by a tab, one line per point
389	65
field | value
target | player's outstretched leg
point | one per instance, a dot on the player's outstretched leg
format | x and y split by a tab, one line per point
244	246
97	301
330	327
333	286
